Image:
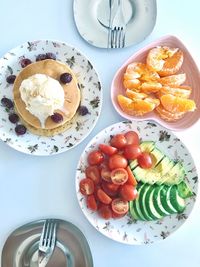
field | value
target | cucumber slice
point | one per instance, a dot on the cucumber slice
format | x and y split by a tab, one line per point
137	205
165	199
184	190
149	204
176	201
142	202
157	202
132	210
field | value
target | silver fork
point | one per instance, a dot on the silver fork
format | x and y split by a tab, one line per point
118	28
47	242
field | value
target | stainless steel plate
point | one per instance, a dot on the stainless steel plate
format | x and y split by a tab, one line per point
72	249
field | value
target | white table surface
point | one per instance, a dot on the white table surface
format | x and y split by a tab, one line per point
23	177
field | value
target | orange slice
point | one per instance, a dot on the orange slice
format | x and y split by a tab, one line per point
132	94
136	107
181	91
173	80
167	115
150	87
177	104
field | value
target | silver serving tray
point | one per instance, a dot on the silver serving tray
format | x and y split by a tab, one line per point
21	247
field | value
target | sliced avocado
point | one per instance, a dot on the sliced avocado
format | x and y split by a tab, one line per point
174	176
156	156
150	205
156	199
142	202
184	190
176	201
165	199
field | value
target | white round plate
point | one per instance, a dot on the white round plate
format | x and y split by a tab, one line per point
91	97
126	230
139	17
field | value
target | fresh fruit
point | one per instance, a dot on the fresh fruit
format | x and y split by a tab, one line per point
110	188
132	151
108	150
119	206
132	94
132	138
93	173
150	87
105	212
119	176
118	141
181	91
65	78
145	160
173	80
25	62
86	187
103	197
106	174
91	202
83	110
10	79
128	192
95	157
13	117
167	115
6	102
117	161
131	178
20	129
57	117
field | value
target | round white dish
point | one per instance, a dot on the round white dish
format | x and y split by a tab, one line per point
127	230
89	15
91	97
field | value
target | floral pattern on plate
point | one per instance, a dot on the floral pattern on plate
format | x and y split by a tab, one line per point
127	230
91	97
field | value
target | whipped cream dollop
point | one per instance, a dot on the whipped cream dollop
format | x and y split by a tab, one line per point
42	96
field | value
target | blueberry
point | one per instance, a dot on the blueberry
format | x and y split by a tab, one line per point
25	62
20	129
10	79
83	110
50	56
41	57
65	77
57	117
6	102
13	117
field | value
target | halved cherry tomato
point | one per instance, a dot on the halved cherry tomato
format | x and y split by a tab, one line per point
118	141
117	161
110	188
105	212
91	202
128	192
86	186
108	150
131	178
132	138
145	160
116	215
95	157
106	174
93	173
103	197
119	176
132	151
119	206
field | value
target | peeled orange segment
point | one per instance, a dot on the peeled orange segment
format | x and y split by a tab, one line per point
132	84
177	104
167	115
150	87
154	101
181	91
165	60
173	80
136	107
132	95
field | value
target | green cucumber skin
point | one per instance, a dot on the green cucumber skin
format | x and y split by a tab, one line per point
142	203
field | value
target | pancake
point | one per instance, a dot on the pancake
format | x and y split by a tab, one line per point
53	69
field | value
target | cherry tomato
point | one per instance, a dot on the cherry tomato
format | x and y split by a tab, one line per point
119	176
106	174
103	197
128	192
132	138
131	178
117	161
118	141
119	206
116	215
93	173
95	157
108	150
86	186
145	160
105	212
91	202
132	151
110	188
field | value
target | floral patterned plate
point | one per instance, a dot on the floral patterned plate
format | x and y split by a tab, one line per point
125	229
91	97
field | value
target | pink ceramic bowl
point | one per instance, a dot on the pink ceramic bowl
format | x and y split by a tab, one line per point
193	79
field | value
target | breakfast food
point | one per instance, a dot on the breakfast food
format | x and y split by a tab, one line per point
157	86
131	176
44	101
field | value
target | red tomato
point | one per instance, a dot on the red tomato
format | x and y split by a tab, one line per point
119	176
116	215
108	150
106	174
91	202
131	178
118	141
128	192
86	186
117	161
103	197
95	157
105	212
110	188
145	160
132	138
132	151
119	206
93	173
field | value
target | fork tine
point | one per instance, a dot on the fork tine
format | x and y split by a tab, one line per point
53	239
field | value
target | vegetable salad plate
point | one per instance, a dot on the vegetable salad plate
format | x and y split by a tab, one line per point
147	226
139	15
90	90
